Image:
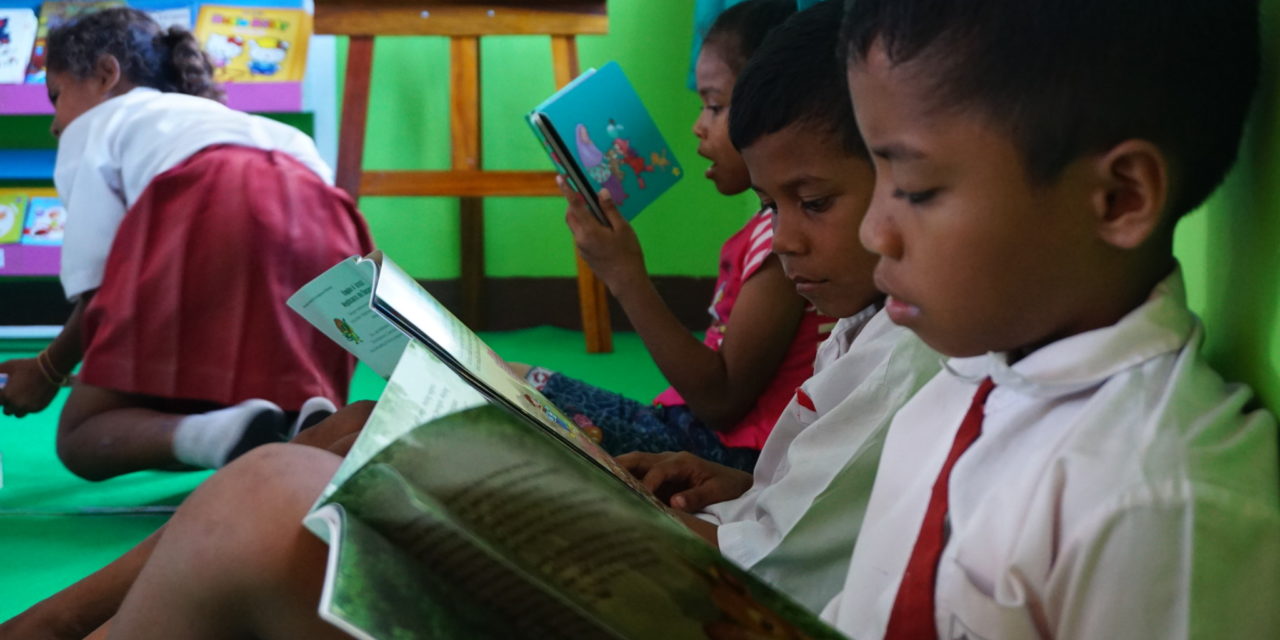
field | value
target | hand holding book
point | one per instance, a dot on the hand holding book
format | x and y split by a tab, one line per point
613	251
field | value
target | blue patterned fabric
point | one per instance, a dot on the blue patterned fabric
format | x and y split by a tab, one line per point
627	425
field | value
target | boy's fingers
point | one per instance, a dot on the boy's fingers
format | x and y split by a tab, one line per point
697	497
637	462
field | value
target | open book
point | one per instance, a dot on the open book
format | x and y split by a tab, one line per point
374	309
461	513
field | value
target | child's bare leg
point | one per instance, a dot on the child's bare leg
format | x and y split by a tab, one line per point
104	433
227	567
338	427
85	605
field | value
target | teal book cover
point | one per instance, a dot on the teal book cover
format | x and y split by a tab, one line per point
600	136
46	218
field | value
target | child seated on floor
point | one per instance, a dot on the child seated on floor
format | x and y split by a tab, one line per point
727	390
1078	470
796	525
190	223
811	171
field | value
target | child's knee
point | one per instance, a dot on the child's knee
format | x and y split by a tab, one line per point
77	455
277	468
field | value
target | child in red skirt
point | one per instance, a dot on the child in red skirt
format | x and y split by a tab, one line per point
189	225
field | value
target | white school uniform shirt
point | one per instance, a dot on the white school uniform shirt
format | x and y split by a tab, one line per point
796	526
110	153
1118	490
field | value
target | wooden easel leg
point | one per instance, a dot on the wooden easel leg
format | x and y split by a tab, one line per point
593	299
355	114
464	86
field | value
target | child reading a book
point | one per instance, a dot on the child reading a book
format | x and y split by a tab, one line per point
189	225
1078	470
796	525
728	389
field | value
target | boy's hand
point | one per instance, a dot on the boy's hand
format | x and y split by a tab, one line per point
27	390
613	252
687	482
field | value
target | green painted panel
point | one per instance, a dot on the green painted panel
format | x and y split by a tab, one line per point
409	128
1228	249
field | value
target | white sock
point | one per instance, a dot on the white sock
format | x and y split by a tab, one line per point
207	440
314	410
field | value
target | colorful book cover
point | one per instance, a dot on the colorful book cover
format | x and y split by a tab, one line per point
255	45
46	219
53	14
175	16
13	208
600	136
17	37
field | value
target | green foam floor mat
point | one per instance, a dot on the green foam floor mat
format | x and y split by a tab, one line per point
56	528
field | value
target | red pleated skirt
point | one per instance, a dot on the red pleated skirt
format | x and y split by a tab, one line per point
192	302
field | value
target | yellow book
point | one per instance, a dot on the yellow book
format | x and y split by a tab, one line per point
254	45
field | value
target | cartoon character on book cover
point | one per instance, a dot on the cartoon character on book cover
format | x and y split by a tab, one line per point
54	14
254	45
46	219
347	332
13	207
605	127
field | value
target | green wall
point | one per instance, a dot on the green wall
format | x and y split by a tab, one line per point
1228	249
409	128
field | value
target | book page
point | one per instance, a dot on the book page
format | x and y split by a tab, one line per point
515	501
417	572
368	593
337	302
405	303
420	390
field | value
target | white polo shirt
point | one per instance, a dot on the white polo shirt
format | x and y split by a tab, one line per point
1118	490
796	526
110	153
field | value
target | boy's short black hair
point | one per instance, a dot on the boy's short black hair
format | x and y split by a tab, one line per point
1070	77
796	76
741	28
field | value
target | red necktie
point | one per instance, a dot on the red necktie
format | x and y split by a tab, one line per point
912	617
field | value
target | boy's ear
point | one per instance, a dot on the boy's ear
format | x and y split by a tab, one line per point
107	73
1131	204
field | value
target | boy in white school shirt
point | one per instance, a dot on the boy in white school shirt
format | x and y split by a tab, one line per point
795	527
1077	471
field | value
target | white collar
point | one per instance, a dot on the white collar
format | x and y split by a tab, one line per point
1160	325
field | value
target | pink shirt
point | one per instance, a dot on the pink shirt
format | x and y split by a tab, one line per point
741	256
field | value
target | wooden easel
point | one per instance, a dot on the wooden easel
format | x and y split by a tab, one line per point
463	22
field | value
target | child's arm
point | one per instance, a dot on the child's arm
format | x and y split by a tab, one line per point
33	382
721	386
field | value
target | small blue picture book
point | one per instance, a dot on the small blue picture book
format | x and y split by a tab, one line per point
46	218
600	136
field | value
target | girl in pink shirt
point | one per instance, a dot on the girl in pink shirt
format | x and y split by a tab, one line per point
727	390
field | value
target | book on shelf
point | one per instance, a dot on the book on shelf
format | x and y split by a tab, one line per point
600	136
175	15
248	44
17	38
462	511
45	223
52	15
13	210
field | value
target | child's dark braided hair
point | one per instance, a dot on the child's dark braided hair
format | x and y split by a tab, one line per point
170	61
